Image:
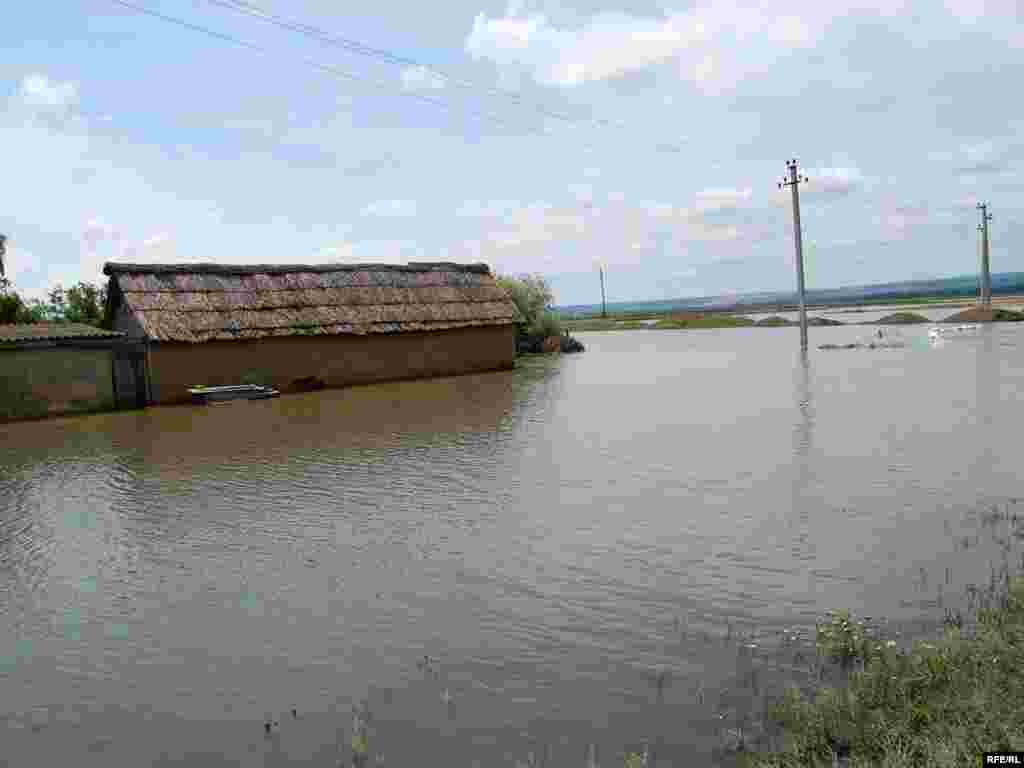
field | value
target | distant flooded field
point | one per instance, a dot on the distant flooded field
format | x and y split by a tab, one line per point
599	548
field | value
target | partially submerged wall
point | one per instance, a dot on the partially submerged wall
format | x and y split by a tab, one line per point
294	363
42	381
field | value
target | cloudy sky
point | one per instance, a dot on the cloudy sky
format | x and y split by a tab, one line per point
532	135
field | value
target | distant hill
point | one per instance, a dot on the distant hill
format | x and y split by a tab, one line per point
964	286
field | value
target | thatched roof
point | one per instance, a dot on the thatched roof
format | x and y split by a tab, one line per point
204	302
12	334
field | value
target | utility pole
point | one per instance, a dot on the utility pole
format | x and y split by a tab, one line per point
793	182
604	310
986	275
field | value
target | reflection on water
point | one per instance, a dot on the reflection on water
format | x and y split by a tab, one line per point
568	544
803	433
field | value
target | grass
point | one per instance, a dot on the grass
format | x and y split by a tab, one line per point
602	324
902	318
982	315
704	321
661	322
940	704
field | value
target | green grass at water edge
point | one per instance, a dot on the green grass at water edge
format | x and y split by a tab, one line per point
661	322
602	324
942	704
708	321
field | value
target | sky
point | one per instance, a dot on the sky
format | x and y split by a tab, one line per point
535	136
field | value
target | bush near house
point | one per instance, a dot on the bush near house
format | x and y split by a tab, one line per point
533	298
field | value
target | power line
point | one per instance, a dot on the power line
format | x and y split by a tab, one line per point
354	46
337	72
325	68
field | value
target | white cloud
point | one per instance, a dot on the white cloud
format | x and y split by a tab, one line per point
972	11
157	241
541	236
39	91
477	209
725	198
380	252
337	253
714	44
27	273
390	208
966	202
897	223
995	156
824	185
613	44
422	79
832	183
97	231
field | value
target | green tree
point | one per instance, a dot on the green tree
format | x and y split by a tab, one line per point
33	312
13	309
534	299
57	304
84	303
10	303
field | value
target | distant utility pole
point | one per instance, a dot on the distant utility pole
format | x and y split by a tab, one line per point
986	275
604	310
793	182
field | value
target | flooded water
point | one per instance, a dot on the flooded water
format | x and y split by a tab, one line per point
553	538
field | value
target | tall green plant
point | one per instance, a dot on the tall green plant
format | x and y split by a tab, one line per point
85	303
13	308
533	298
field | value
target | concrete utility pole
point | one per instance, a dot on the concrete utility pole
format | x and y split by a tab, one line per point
793	182
986	275
604	311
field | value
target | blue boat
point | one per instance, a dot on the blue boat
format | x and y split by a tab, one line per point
232	392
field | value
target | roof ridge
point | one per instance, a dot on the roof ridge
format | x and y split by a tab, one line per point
212	268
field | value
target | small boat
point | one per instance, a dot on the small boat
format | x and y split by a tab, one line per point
233	392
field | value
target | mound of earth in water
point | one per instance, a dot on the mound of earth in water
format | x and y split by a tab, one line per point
868	345
902	318
812	322
570	344
774	322
985	315
684	320
541	345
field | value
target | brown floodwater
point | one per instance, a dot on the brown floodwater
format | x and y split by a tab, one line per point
553	538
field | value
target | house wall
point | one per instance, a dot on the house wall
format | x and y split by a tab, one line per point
48	380
336	361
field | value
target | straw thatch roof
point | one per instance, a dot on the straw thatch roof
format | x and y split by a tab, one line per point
12	334
205	302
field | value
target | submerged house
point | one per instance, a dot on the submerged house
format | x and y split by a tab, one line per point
49	369
299	327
